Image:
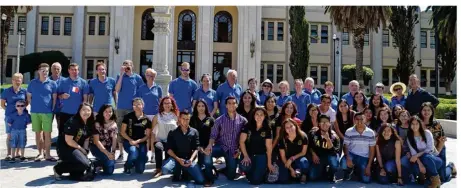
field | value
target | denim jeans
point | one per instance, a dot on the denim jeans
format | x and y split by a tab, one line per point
172	166
231	163
300	163
444	171
430	162
360	163
108	166
256	170
318	170
137	156
391	170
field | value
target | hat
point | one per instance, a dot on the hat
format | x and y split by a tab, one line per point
269	82
404	88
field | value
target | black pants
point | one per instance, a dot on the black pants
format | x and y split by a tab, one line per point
63	117
159	156
75	163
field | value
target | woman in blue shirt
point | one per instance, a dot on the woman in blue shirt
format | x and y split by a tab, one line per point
398	94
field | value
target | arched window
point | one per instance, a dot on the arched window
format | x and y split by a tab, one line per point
222	27
147	25
186	26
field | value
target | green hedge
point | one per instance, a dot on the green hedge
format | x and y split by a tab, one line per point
444	108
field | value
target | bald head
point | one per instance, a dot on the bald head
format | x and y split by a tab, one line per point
353	86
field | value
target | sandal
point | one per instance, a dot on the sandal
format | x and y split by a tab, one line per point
51	159
8	158
37	158
453	170
23	158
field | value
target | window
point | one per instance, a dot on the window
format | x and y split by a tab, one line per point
386	77
102	25
186	56
324	38
395	76
270	72
323	75
313	73
68	26
147	25
274	71
146	62
280	72
423	39
9	67
345	39
432	36
366	39
314	34
432	77
262	30
56	25
222	62
11	27
22	23
386	37
89	69
270	31
45	24
423	78
186	26
261	72
222	27
280	31
92	26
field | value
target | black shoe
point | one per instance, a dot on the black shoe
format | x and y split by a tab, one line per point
126	170
23	159
347	175
57	176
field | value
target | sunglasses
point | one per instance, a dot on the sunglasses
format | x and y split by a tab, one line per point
185	70
266	86
397	89
21	105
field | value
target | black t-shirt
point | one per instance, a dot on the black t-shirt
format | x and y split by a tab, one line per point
293	148
73	127
183	144
136	128
256	139
204	129
244	113
387	150
319	144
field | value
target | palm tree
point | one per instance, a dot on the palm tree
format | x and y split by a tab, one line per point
446	22
9	11
358	20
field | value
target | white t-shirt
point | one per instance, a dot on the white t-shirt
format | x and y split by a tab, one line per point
330	113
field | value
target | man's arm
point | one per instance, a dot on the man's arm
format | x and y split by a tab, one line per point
431	98
118	86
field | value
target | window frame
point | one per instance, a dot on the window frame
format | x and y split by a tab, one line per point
56	25
324	36
22	22
45	30
423	39
262	29
314	38
280	31
345	37
92	25
218	18
269	29
101	23
181	21
386	38
66	23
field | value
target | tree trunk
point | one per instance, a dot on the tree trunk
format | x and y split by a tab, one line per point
359	34
448	86
4	46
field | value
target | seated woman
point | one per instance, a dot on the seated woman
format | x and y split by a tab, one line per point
72	148
105	139
136	129
256	147
344	121
324	148
288	111
375	103
293	148
392	162
383	118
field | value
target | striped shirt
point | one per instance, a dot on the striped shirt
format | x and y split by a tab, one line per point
226	132
359	144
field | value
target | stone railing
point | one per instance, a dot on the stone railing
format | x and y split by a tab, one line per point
449	127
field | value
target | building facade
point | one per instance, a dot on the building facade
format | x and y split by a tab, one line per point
254	40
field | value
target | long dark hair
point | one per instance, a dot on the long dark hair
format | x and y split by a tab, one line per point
381	141
100	117
372	106
307	124
90	121
354	102
400	123
241	107
339	115
411	134
420	114
283	132
284	107
271	97
396	116
252	121
195	112
378	117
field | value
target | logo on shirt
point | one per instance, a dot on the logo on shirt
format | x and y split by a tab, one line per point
79	135
300	142
263	134
207	123
144	122
75	89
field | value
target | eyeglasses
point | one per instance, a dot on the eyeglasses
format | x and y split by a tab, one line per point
21	105
397	89
266	86
150	76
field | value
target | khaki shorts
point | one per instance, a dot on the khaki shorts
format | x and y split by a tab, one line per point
120	114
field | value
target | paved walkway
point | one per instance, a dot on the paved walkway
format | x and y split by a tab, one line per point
39	174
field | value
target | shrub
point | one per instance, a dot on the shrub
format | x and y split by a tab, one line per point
447	101
30	62
348	71
444	108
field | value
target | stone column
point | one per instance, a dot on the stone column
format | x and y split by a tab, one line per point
204	61
78	35
31	31
376	57
417	43
161	31
122	27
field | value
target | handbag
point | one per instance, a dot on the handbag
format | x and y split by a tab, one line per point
273	177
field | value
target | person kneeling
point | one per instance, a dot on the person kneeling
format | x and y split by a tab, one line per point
324	146
182	146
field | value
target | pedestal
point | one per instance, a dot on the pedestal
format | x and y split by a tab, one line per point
161	31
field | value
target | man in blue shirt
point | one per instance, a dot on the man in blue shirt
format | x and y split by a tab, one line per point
151	93
229	88
42	94
126	87
379	89
206	93
417	96
314	93
56	76
183	88
301	99
72	92
353	89
102	89
8	101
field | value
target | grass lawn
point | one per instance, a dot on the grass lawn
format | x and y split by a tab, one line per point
4	86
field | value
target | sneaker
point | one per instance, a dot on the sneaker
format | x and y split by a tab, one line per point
8	158
12	161
347	175
453	169
120	157
152	160
22	159
57	176
126	170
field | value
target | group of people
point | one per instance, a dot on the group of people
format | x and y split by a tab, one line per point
305	136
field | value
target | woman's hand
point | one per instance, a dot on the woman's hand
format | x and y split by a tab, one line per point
110	156
382	172
271	168
413	159
315	159
83	151
288	163
422	169
399	181
292	173
246	161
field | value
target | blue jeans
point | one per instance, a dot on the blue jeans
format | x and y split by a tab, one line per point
231	162
256	170
445	171
108	166
137	156
430	162
300	163
172	166
391	170
318	170
360	163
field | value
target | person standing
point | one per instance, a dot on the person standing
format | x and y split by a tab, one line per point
325	107
285	96
206	93
42	94
266	91
417	96
252	86
379	90
329	88
183	88
398	94
8	101
313	92
301	99
17	122
126	87
102	89
57	77
353	89
228	88
247	104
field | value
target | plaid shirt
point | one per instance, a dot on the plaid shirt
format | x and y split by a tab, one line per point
226	132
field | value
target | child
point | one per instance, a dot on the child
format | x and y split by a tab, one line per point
18	122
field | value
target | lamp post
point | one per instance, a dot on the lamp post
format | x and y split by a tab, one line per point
1	46
337	50
20	44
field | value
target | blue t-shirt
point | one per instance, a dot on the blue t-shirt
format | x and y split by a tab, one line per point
396	101
350	98
182	91
151	97
209	96
386	101
263	96
57	107
281	100
334	102
11	97
19	122
315	95
42	95
76	89
102	92
224	90
128	90
301	104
